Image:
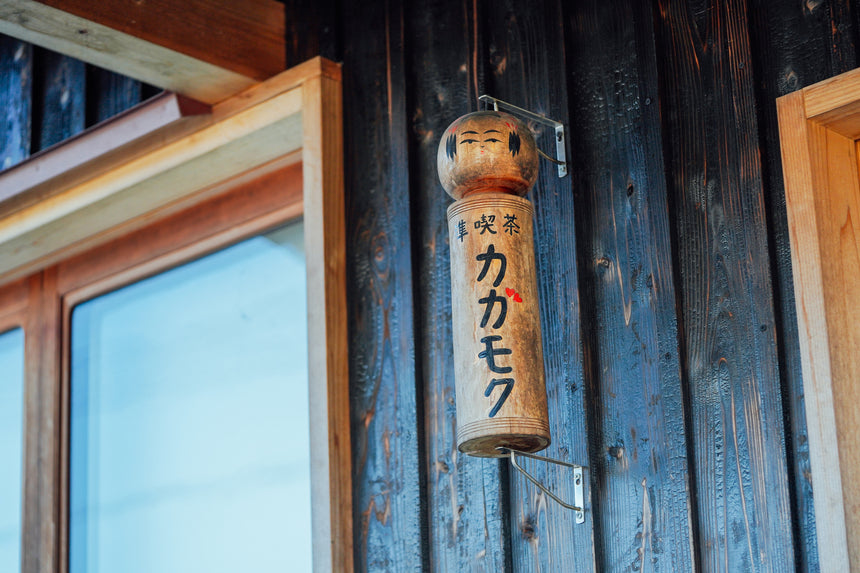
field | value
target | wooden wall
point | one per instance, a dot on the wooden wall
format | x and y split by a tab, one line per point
670	338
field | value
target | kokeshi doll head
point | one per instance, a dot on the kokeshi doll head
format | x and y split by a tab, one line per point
487	151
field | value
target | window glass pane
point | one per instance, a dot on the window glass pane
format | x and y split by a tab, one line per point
11	447
189	417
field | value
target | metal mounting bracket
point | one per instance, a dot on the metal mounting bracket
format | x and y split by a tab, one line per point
578	497
560	145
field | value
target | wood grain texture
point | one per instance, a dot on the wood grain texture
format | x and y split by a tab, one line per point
386	438
806	252
14	298
837	205
242	209
831	95
644	503
16	85
794	45
311	30
823	195
109	94
149	180
503	305
466	497
525	46
151	59
246	37
328	366
89	153
42	398
712	156
59	93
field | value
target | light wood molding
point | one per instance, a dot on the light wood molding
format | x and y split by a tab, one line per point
206	49
325	251
818	130
70	211
72	160
13	303
42	399
62	229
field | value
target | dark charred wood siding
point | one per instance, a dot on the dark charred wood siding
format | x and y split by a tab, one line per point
670	336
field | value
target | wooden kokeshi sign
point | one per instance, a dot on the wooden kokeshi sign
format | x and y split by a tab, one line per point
487	161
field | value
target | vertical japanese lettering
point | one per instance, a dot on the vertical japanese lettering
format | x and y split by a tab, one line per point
490	301
509	385
461	230
488	258
489	354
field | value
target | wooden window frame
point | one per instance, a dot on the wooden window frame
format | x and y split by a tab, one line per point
193	183
819	136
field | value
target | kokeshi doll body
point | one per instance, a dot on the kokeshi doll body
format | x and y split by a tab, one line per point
487	161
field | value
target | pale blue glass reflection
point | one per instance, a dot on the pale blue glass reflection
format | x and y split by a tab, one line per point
11	447
189	418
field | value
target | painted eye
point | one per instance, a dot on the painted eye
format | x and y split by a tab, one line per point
492	139
469	141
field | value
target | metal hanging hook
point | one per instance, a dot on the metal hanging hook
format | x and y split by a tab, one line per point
560	151
577	479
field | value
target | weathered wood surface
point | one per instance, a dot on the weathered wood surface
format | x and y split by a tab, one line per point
89	154
466	497
386	436
246	38
311	30
411	69
795	45
822	198
16	84
526	48
59	102
42	445
499	324
109	94
638	433
328	359
208	50
712	157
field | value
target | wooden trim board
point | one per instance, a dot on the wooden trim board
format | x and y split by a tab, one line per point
818	130
73	159
208	50
149	173
63	228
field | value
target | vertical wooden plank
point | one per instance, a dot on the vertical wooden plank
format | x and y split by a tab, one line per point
466	507
639	449
108	94
312	30
794	45
730	359
328	365
16	81
837	204
42	423
386	437
823	452
526	57
59	92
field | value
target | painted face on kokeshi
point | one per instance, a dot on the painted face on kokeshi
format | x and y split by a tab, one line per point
487	151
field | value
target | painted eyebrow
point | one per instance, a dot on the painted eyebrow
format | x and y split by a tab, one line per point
492	131
465	132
